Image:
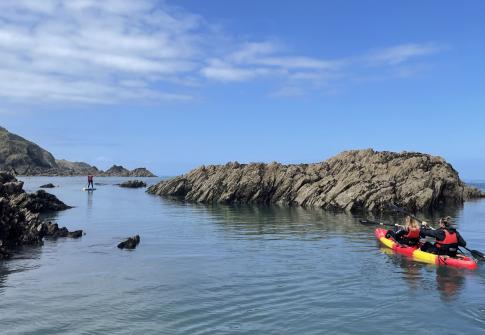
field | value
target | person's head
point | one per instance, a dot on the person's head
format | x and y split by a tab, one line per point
445	223
411	223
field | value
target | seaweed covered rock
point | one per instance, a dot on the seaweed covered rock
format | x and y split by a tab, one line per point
352	181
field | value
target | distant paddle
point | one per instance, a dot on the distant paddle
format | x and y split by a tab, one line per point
475	253
375	223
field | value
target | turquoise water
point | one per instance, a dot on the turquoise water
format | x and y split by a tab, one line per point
229	270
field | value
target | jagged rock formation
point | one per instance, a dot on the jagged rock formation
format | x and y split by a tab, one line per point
22	157
352	181
120	171
133	184
141	172
19	216
68	168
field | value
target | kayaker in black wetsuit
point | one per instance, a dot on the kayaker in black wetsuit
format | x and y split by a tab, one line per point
407	234
447	239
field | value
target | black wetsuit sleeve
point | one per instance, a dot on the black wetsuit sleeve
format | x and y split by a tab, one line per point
400	233
438	234
461	241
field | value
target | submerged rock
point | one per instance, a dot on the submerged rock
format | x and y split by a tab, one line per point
352	181
130	243
49	185
133	184
19	216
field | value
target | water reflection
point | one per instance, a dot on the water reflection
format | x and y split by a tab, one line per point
283	221
90	200
449	281
3	276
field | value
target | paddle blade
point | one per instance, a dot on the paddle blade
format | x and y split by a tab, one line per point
369	223
375	223
478	255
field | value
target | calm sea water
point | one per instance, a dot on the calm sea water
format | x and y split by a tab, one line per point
229	270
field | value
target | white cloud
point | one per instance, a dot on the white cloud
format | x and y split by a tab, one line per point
399	54
114	50
87	51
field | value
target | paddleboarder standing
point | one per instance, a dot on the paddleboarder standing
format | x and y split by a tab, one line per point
90	181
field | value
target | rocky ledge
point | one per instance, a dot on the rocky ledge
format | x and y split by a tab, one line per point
19	216
133	184
357	180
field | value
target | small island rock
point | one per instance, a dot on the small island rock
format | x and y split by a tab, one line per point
130	243
133	184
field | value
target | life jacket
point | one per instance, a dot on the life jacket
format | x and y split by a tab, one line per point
449	245
413	234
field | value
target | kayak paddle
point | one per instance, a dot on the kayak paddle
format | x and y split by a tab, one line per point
374	223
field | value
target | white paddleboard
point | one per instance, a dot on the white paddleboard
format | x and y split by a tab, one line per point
88	189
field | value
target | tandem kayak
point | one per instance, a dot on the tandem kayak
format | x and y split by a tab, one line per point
425	257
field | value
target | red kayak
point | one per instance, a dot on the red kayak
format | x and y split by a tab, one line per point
460	261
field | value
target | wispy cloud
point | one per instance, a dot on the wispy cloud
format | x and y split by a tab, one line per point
401	53
113	50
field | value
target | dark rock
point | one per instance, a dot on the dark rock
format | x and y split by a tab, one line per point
133	184
352	181
75	234
130	243
39	202
49	185
19	217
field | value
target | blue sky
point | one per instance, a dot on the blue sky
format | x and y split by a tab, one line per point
174	85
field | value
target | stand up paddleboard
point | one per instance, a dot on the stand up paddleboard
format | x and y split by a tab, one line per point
88	189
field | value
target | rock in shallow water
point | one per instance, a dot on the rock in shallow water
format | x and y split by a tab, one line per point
49	185
19	216
130	243
353	181
133	184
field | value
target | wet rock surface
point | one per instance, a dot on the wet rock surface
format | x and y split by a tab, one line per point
19	216
130	243
133	184
49	185
357	180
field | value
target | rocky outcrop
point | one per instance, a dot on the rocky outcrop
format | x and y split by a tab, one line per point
120	171
130	243
352	181
19	216
67	168
141	172
39	202
22	157
117	171
133	184
49	185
